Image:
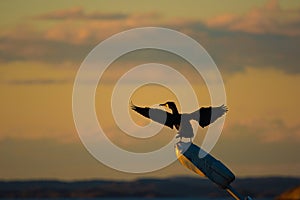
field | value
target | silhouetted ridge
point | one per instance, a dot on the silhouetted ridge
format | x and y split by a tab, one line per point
171	187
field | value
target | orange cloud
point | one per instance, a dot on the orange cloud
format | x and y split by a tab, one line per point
268	19
264	131
73	32
78	13
78	27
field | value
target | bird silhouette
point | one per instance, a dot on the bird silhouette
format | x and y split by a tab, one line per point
182	122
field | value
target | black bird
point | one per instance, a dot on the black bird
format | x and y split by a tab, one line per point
204	116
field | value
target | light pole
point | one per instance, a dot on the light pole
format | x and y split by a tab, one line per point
204	164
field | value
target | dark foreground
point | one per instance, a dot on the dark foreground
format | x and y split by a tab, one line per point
171	187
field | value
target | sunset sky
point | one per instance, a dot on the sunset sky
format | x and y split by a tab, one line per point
255	45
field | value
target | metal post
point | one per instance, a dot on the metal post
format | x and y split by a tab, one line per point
234	193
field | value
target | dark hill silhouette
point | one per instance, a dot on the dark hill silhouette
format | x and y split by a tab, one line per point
171	187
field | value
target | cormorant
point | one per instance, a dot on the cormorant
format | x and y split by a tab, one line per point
204	116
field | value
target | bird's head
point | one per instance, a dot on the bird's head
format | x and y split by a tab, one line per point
169	104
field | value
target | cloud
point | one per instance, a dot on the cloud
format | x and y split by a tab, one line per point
251	145
38	48
36	81
78	13
52	159
267	130
233	49
45	158
90	31
268	19
65	40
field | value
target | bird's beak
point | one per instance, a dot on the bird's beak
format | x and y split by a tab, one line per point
164	104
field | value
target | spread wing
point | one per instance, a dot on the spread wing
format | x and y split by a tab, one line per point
208	115
157	115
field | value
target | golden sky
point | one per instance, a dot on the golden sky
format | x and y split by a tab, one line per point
255	45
